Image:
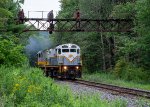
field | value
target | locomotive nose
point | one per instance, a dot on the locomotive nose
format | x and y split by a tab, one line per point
72	72
70	56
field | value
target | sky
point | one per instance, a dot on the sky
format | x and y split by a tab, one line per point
40	5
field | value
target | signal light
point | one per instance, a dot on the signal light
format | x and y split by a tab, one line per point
51	28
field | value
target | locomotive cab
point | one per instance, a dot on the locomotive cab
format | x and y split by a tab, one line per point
42	58
68	55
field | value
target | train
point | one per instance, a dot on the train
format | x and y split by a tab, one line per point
63	61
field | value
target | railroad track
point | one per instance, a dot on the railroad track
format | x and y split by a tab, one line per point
118	89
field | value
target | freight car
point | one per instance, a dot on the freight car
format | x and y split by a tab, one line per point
64	61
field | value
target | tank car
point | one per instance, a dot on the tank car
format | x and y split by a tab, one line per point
64	61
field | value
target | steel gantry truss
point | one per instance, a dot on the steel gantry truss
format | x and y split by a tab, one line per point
81	25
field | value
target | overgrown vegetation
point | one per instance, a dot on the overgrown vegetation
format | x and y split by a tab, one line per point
11	42
28	87
10	53
130	72
110	78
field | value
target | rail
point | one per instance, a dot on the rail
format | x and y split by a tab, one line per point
123	90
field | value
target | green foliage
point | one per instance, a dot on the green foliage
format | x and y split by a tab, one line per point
119	68
95	9
11	42
127	45
5	13
110	78
143	29
130	72
10	53
68	7
8	12
124	11
28	87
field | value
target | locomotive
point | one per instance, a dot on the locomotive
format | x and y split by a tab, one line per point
64	61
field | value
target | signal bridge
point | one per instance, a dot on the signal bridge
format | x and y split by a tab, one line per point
75	25
81	25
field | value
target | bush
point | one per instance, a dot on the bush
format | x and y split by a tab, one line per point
128	71
28	87
10	53
119	68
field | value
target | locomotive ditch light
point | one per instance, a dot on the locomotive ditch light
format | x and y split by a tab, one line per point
77	67
65	67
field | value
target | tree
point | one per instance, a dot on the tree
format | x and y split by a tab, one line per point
143	29
11	48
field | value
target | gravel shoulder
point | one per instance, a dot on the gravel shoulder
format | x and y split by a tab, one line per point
80	90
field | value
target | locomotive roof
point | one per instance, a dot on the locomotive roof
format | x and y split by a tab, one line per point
69	45
62	46
39	52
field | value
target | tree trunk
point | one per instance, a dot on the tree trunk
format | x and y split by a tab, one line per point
109	53
112	52
103	53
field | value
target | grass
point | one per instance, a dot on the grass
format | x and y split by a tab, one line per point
111	79
27	87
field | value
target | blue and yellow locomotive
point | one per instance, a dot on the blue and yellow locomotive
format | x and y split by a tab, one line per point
64	61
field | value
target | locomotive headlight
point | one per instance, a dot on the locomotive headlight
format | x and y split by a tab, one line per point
77	67
65	67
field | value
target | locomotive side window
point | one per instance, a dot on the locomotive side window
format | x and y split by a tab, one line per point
59	51
78	51
72	50
65	50
39	55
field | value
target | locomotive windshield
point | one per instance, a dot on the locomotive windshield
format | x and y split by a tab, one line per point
72	50
65	50
69	50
